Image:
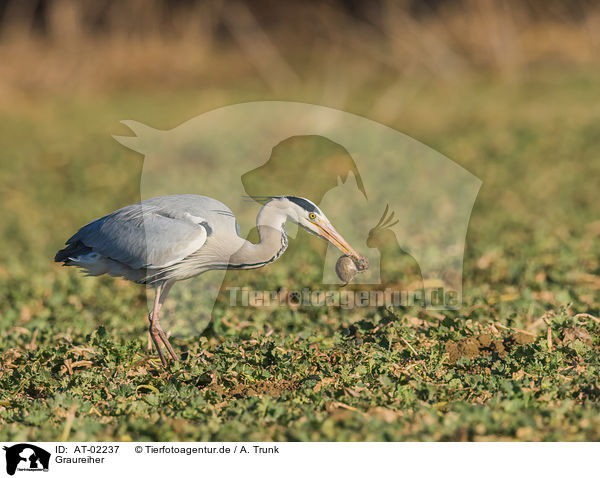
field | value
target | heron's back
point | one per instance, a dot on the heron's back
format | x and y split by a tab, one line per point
140	241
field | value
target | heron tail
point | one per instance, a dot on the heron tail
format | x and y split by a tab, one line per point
74	249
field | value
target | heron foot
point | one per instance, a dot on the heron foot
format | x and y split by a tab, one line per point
154	337
167	344
156	332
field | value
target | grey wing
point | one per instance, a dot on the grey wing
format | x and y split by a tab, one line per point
144	236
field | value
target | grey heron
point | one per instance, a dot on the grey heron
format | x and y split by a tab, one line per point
166	239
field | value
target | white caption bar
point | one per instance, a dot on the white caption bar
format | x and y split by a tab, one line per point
299	459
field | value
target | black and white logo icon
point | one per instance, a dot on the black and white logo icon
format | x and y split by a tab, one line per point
26	457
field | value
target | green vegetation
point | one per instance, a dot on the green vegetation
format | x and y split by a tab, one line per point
519	360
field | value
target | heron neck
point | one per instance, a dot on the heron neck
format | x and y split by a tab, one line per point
272	240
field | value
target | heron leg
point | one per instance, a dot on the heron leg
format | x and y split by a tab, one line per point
154	329
150	335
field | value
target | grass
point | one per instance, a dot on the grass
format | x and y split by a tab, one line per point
519	360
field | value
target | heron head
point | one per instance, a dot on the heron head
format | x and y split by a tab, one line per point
307	215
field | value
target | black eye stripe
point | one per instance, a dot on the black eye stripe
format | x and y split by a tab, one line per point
303	203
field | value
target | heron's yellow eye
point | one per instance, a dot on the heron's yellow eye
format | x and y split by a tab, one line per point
312	216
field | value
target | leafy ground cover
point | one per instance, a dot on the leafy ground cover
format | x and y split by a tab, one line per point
518	361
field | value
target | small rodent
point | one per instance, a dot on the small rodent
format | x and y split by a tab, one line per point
347	267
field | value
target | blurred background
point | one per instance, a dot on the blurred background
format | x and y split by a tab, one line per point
108	45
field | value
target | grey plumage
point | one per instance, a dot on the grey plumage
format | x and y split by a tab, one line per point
141	240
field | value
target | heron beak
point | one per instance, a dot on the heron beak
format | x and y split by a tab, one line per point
328	232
